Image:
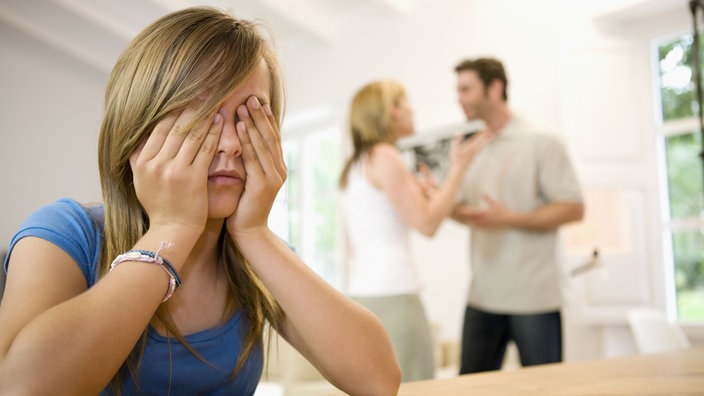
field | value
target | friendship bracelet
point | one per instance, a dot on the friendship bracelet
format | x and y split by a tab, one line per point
146	256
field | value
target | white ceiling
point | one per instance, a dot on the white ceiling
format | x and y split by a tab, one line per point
322	43
97	30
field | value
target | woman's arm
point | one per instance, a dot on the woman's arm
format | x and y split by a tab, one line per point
494	216
424	213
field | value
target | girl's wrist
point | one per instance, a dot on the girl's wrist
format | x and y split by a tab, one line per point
176	243
245	235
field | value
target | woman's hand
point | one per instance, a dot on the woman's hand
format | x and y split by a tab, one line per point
462	152
263	163
427	181
170	169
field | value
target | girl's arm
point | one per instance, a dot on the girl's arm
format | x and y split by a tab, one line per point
343	340
57	336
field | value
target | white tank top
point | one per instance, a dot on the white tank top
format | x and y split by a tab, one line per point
379	255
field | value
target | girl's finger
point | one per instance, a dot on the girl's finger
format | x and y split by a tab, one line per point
181	129
268	132
168	135
274	124
249	155
266	124
155	141
194	139
137	152
279	161
257	132
209	144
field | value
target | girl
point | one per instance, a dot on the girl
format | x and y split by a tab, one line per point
167	286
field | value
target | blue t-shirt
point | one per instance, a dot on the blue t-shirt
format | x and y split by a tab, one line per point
167	367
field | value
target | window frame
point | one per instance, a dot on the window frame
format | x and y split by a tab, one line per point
669	225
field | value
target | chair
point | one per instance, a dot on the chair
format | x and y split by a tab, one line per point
654	333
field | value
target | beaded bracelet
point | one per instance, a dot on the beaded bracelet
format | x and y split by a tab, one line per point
145	256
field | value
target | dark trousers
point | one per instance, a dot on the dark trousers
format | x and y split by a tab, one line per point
486	335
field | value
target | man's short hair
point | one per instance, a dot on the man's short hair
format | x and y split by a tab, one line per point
488	69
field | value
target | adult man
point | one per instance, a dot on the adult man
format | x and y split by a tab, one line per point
516	194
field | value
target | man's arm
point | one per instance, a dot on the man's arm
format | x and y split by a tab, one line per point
494	215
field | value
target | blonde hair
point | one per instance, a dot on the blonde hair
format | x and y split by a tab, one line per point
370	120
174	61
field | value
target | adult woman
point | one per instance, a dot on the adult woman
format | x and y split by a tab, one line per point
190	163
382	201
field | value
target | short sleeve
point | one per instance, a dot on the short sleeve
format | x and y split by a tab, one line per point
73	228
557	177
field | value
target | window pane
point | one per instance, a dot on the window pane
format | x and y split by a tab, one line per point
683	168
688	249
311	200
293	194
684	175
323	151
678	89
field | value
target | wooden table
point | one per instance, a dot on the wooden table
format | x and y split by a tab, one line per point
670	373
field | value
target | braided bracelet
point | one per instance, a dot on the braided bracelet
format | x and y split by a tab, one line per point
145	256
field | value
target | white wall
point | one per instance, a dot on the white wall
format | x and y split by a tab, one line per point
50	107
564	73
581	69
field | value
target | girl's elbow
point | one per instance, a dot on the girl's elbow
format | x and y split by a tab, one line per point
394	380
375	380
387	383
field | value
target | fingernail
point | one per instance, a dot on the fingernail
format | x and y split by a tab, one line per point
241	127
254	102
243	111
217	119
267	110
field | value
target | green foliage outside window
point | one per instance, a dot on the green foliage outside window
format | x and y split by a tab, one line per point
293	190
684	176
311	200
326	172
678	89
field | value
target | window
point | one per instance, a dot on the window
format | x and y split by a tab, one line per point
305	213
683	180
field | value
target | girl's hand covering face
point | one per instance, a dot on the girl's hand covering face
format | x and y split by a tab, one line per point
264	165
171	169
